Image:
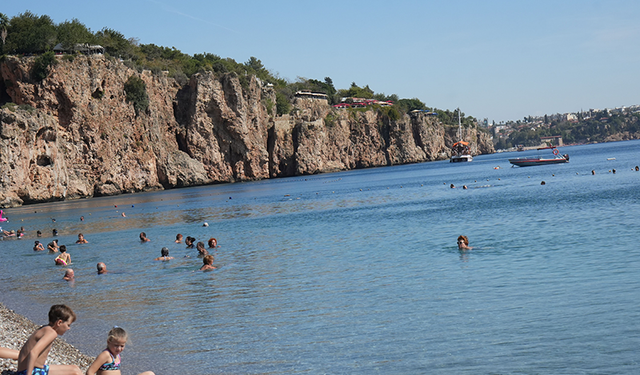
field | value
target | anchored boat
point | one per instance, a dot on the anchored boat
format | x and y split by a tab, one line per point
536	160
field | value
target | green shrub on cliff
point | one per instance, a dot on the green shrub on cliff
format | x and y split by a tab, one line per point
391	112
282	104
40	68
136	91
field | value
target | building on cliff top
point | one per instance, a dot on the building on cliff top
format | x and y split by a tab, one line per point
86	49
311	95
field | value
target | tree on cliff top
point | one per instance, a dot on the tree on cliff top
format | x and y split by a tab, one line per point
357	92
74	32
28	33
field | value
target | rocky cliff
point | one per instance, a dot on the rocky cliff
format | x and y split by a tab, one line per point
74	134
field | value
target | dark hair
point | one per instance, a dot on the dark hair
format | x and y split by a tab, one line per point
63	248
164	252
61	312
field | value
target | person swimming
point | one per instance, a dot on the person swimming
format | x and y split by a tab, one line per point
207	263
69	275
102	268
81	239
143	237
463	243
164	254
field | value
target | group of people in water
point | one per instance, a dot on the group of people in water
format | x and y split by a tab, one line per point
64	258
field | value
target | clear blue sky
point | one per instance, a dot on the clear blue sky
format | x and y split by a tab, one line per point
495	59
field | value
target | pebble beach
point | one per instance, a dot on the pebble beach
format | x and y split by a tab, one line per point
15	329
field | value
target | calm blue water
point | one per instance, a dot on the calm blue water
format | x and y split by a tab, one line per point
358	272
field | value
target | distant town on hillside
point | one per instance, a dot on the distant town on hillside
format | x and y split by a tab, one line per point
590	126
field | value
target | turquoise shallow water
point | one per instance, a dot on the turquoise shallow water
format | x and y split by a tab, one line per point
357	272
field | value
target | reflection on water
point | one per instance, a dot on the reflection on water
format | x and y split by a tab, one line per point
357	272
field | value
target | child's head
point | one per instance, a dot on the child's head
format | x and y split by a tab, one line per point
143	235
116	340
61	312
80	236
63	248
208	259
164	252
117	333
37	242
179	237
212	242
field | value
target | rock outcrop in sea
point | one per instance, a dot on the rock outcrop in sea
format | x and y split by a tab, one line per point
74	134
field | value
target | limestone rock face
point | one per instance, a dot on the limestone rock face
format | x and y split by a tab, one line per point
74	134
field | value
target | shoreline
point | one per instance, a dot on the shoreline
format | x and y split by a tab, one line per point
15	329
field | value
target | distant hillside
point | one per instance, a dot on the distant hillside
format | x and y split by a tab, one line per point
592	127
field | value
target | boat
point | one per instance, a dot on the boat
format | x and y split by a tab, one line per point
460	151
536	160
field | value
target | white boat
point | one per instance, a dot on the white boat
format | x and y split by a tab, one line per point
460	151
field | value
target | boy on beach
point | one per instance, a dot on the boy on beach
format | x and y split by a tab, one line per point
32	357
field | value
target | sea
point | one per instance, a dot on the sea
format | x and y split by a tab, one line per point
356	272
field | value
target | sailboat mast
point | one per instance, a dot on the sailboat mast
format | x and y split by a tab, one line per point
459	126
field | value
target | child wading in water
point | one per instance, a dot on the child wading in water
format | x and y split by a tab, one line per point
34	353
64	258
108	362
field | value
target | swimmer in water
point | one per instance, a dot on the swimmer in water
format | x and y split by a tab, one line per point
81	239
189	242
463	243
38	246
68	275
102	268
53	246
213	243
64	258
143	237
201	250
164	254
207	263
178	238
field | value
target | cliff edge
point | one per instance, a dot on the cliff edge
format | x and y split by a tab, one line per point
75	135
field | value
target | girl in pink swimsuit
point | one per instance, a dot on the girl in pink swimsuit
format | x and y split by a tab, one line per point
108	362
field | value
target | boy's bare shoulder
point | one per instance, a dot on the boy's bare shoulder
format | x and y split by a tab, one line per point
42	332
